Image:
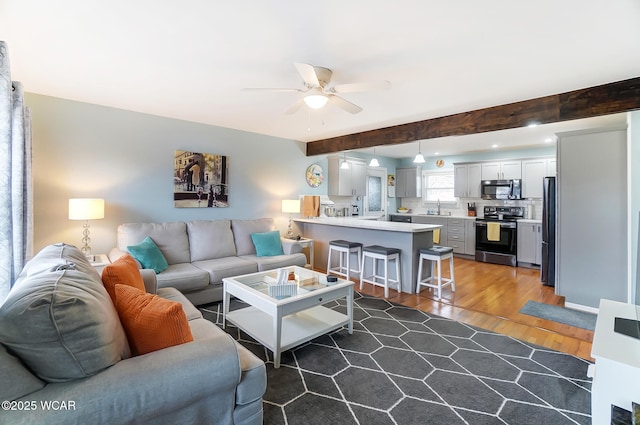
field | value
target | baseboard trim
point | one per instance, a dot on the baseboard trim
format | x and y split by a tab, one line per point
581	307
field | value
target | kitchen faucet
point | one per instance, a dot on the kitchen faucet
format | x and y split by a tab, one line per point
438	206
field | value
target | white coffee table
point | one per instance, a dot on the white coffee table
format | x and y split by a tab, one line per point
281	324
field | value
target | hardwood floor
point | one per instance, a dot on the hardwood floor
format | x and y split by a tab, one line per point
489	296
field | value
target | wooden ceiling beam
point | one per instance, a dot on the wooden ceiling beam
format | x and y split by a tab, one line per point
612	98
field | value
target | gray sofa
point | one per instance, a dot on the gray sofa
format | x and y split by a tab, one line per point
62	343
201	253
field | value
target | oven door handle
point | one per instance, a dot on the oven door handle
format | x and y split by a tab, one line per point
502	225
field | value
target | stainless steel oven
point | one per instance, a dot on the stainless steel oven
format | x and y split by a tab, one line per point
497	235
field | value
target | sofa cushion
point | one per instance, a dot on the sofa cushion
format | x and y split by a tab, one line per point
220	268
173	294
209	239
277	261
184	277
17	380
149	255
151	322
123	271
267	244
242	230
171	238
60	321
253	381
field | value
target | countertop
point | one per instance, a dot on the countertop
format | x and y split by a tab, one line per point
466	217
388	226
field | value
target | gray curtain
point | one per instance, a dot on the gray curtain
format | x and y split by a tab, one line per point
16	193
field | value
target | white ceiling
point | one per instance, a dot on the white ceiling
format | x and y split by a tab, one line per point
190	59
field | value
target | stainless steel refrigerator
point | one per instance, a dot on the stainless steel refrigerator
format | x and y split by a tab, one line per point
548	266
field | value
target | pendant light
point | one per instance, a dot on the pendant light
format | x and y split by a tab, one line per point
374	161
344	164
419	159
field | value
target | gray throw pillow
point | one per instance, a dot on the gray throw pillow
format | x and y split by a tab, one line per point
60	320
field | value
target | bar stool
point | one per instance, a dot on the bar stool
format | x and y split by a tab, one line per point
436	254
380	253
344	249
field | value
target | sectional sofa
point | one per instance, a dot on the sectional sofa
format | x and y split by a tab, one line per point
201	253
68	356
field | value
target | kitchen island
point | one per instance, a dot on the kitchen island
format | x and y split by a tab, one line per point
408	237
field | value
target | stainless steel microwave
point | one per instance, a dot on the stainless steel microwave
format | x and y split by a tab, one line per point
501	189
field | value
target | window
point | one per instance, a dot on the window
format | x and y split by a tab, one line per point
438	185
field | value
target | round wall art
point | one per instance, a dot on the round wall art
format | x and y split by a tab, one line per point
314	175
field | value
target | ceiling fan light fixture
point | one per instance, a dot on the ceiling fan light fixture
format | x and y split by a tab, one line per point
316	101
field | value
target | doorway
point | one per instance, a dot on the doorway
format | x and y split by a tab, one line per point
375	200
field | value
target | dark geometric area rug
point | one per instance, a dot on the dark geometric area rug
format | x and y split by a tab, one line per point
402	366
555	313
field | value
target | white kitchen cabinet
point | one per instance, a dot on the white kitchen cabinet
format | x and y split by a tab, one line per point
533	173
538	244
359	178
408	182
467	178
470	237
346	182
504	170
456	235
529	242
552	168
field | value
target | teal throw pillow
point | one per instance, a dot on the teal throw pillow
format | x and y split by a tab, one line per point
267	244
149	255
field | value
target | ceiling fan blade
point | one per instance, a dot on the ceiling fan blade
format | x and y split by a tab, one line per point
308	74
274	89
360	87
295	107
344	104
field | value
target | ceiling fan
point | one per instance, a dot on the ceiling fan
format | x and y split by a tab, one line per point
318	91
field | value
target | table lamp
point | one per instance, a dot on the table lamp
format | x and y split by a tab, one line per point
291	206
86	209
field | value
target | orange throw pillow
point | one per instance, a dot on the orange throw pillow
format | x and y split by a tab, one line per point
150	322
123	271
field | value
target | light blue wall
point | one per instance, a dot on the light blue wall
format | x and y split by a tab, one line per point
84	150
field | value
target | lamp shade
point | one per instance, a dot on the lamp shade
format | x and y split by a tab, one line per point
316	101
419	159
86	208
291	206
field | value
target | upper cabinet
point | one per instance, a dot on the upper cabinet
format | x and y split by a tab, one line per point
408	182
467	178
505	170
533	173
351	181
